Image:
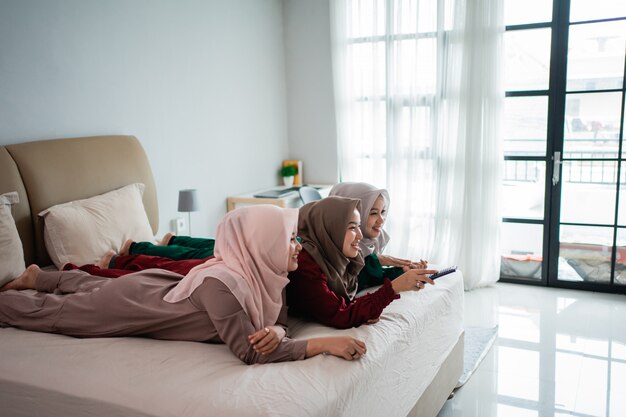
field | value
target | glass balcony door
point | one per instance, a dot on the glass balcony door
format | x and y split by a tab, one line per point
563	222
589	237
527	151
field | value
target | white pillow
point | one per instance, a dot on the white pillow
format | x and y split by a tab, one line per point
11	253
82	231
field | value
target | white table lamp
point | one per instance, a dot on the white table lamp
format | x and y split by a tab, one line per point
188	202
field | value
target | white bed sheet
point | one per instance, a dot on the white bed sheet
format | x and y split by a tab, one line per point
140	377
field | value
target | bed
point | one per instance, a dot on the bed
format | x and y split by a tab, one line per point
414	359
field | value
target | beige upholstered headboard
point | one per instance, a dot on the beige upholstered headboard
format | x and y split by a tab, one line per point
50	172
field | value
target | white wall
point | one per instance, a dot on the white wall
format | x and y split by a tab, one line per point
312	129
201	83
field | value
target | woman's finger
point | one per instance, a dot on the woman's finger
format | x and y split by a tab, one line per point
264	348
270	347
264	341
423	278
360	350
355	354
419	265
259	335
423	275
273	346
360	343
403	262
256	336
267	337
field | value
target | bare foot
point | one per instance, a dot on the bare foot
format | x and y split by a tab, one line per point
104	262
166	239
124	250
26	281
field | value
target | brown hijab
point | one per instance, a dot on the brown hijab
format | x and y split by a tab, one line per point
322	226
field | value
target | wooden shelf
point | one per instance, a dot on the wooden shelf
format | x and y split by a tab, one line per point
289	200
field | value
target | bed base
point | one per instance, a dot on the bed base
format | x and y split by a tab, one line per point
431	402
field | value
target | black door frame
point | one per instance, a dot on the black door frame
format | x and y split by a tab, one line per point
555	138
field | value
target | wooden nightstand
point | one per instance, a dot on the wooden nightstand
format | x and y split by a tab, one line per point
291	199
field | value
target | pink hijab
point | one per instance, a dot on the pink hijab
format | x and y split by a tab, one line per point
251	259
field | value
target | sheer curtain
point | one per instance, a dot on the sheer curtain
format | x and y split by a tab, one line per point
419	97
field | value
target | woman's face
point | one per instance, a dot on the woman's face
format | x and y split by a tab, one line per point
353	236
376	218
294	249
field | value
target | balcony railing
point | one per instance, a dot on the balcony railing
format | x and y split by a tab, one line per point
596	165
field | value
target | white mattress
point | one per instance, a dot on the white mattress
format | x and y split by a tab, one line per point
53	375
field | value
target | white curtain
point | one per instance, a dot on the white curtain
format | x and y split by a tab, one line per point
419	99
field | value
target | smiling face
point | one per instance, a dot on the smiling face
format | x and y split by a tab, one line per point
376	218
353	236
294	250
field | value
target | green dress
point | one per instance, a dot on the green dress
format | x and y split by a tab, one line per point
178	248
373	273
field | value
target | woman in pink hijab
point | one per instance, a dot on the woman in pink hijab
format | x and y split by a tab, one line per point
235	298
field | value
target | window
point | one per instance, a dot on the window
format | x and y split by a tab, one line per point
392	57
564	116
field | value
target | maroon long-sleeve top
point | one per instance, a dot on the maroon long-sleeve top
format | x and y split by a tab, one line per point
309	295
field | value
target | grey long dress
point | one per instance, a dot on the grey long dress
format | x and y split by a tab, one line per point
75	303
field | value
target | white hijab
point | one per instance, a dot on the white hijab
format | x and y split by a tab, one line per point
251	259
367	194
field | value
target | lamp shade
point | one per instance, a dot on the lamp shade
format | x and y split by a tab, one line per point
187	201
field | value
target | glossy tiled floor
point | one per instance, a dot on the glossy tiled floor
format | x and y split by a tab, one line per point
559	353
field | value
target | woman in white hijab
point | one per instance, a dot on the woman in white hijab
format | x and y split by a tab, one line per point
235	298
373	211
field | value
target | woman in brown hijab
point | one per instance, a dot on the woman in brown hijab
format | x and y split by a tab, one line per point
324	286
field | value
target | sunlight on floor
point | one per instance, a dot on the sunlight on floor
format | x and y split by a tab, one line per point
559	353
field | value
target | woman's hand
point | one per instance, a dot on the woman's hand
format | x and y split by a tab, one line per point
405	264
386	260
344	347
422	264
266	340
412	280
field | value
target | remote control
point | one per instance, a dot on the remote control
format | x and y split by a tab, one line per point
443	272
